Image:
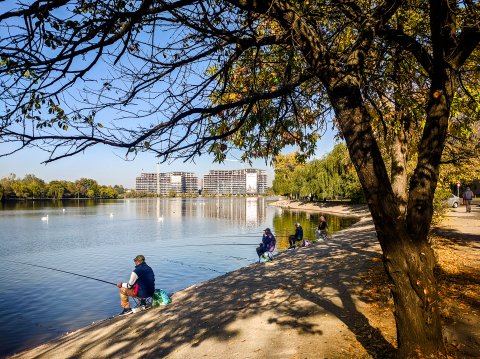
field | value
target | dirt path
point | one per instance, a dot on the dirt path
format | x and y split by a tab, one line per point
457	246
309	303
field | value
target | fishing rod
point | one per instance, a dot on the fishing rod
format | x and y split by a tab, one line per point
213	244
292	235
63	271
237	236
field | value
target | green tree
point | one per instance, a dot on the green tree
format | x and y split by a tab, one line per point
119	189
21	190
330	177
56	189
284	181
278	71
73	188
6	186
34	186
87	187
107	192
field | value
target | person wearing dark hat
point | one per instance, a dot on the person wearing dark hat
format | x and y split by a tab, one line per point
141	284
298	236
268	243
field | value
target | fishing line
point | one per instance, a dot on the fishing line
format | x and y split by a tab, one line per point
191	266
63	271
213	244
228	256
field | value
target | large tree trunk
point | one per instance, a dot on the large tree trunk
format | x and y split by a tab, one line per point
399	141
402	230
408	260
409	265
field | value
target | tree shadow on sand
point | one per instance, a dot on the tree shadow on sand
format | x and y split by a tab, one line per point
295	286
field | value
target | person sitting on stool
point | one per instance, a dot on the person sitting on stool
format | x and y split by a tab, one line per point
141	284
321	231
298	236
268	243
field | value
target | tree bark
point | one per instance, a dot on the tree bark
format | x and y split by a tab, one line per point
408	261
402	230
399	141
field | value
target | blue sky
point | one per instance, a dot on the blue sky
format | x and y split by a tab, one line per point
108	167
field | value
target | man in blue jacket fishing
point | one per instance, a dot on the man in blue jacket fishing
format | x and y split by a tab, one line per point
141	284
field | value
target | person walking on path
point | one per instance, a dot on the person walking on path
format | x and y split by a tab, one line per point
141	284
298	236
467	197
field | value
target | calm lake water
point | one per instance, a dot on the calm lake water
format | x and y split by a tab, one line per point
185	241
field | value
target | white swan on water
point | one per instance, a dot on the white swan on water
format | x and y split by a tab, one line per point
160	219
45	219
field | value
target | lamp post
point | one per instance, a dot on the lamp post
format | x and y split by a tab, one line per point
458	189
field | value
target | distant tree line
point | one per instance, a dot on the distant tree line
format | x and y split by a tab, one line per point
331	177
32	187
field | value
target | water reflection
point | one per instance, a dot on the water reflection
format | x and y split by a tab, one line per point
284	220
196	240
249	211
50	204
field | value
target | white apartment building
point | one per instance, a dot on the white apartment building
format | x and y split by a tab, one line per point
164	183
244	182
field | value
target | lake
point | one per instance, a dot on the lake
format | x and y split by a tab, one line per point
184	240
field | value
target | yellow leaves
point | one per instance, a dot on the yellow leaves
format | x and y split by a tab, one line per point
213	69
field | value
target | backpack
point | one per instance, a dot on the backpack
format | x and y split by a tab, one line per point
160	297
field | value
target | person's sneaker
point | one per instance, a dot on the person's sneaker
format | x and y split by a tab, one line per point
126	311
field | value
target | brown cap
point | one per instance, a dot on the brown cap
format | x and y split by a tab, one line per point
139	258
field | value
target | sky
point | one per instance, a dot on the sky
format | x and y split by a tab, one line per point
108	167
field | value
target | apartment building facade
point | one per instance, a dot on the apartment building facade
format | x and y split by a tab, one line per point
165	183
235	182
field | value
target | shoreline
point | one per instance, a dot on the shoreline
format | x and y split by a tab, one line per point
99	338
310	303
338	208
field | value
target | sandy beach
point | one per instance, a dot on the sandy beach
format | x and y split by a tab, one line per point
307	303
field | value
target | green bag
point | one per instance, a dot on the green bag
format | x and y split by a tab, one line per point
160	297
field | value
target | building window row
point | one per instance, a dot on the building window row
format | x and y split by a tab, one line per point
216	182
165	183
235	182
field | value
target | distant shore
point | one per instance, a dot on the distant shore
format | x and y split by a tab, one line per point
338	208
